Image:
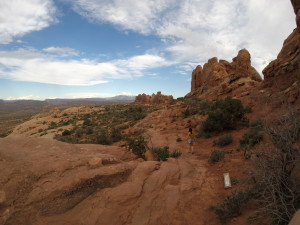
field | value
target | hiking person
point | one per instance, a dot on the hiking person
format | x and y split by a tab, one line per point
191	140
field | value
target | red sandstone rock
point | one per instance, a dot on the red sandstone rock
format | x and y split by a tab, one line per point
157	98
284	71
220	77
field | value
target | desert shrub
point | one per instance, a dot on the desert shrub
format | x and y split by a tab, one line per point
192	106
205	107
89	130
161	153
225	114
87	122
103	137
135	113
234	181
138	145
63	123
79	132
6	133
115	134
253	136
68	138
52	125
175	154
278	192
216	156
186	113
178	139
232	205
124	126
40	130
66	132
223	140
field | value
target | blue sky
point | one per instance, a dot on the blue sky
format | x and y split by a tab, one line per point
101	48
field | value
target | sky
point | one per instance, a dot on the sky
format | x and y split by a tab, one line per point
104	48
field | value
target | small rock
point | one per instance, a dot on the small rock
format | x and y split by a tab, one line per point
95	162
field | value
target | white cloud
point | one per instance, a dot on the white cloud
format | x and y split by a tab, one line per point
27	97
19	17
32	65
64	51
198	30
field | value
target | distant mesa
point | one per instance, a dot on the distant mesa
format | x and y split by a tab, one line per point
157	98
218	77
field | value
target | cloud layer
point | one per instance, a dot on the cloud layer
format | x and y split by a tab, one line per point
19	17
197	30
32	65
191	32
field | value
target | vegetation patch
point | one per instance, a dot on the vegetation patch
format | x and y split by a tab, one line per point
137	145
161	153
175	154
223	140
102	126
225	114
232	205
216	156
253	136
277	190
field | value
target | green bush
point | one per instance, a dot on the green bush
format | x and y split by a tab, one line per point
79	132
89	130
205	107
162	153
216	156
234	181
115	135
138	145
253	136
52	125
5	134
66	132
135	113
225	114
175	154
232	205
103	138
87	122
223	141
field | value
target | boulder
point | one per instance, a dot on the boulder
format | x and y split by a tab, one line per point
95	162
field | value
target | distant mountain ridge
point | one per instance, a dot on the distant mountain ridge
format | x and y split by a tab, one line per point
59	101
118	98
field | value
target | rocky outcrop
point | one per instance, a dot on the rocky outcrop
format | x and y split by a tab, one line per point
222	77
283	73
46	182
157	98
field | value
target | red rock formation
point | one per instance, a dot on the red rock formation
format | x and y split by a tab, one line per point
157	98
283	73
221	77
